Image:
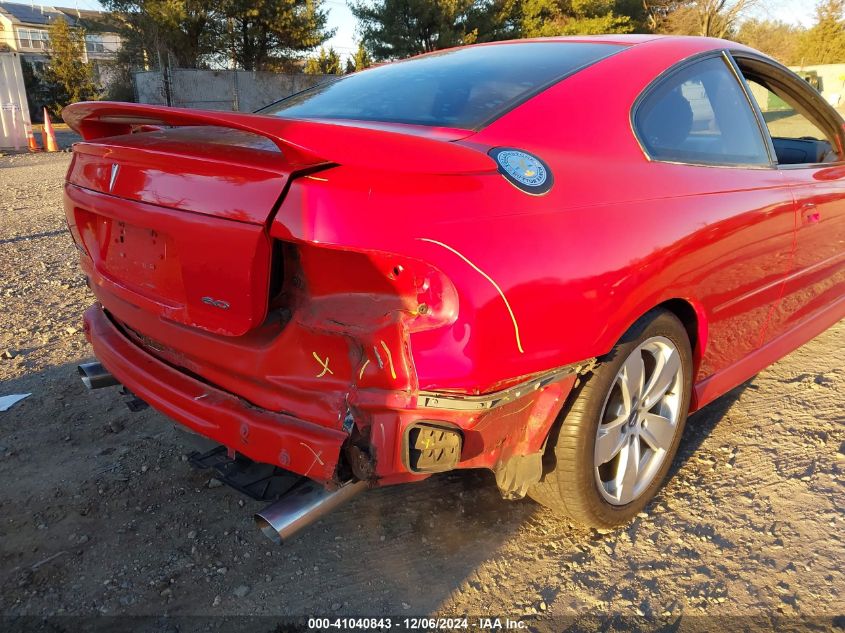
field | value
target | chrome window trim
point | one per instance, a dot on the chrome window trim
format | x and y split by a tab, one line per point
755	108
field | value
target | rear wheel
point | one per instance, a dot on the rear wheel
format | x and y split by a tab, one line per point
622	426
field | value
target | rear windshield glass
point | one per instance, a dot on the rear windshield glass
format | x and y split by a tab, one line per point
462	88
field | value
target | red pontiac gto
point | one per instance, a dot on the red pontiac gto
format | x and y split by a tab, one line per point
533	257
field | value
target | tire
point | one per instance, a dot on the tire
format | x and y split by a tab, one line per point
611	494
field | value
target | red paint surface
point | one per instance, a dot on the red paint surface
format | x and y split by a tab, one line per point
395	234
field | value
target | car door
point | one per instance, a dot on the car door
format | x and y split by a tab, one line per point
807	137
700	122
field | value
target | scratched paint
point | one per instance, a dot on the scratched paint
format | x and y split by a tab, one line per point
378	357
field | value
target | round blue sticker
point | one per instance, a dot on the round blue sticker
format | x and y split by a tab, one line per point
526	171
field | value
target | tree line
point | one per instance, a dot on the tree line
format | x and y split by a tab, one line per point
290	35
276	35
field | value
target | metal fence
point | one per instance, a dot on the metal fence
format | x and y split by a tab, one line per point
234	90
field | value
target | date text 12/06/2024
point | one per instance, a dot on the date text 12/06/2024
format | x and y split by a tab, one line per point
417	624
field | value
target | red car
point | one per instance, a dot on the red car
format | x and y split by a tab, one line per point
534	257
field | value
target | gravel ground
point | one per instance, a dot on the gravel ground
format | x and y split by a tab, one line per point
101	514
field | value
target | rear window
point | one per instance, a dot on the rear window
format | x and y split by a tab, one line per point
462	88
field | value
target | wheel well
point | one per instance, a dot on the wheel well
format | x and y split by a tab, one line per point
693	325
689	318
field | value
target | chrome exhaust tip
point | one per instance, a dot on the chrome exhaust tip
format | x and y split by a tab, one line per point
95	376
301	506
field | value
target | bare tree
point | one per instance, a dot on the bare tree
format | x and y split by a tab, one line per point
719	17
710	18
658	11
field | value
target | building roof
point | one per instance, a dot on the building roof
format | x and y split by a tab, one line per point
35	14
92	21
43	15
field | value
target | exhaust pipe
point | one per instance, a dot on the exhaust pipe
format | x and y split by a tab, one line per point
95	376
301	506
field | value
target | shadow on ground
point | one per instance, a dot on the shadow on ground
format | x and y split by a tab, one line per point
105	516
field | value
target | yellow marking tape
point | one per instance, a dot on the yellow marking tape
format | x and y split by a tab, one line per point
389	360
324	364
315	454
363	367
488	278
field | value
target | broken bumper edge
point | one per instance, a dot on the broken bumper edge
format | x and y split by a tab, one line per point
264	436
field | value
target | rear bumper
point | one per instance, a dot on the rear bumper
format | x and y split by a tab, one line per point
495	427
264	436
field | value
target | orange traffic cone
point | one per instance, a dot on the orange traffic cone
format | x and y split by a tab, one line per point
30	138
48	136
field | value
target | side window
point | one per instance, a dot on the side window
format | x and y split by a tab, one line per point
797	134
23	37
700	115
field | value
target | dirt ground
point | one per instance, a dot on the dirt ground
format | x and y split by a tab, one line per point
101	515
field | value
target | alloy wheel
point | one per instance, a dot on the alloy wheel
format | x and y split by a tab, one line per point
639	420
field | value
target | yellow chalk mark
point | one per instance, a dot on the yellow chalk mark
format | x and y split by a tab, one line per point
363	367
492	282
389	360
317	178
324	364
315	454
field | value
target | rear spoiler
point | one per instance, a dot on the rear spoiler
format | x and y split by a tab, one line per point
342	143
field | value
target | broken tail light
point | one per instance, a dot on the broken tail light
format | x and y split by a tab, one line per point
366	291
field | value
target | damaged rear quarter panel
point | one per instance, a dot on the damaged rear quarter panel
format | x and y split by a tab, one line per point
427	305
503	321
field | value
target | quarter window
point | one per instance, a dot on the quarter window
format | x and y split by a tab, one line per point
700	115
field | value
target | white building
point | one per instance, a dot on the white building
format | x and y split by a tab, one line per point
24	29
828	79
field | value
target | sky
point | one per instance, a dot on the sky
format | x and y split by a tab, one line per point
344	41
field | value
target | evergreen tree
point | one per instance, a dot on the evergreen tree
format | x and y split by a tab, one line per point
824	42
67	78
252	34
546	18
362	57
360	61
326	62
182	33
393	29
270	34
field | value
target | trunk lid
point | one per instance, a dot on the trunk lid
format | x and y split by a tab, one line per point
173	221
210	170
171	207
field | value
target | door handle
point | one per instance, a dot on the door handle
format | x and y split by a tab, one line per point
811	213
